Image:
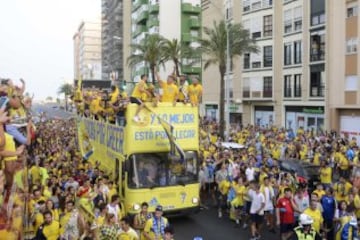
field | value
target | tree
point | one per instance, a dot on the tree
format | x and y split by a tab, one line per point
49	98
149	51
214	48
174	51
67	90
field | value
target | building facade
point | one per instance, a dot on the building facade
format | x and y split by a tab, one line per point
112	39
344	66
285	83
87	50
176	19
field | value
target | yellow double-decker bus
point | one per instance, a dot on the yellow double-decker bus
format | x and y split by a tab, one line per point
149	161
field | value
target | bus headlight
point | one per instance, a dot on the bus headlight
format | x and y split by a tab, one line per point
136	207
195	200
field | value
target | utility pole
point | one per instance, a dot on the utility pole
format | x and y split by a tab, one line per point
227	84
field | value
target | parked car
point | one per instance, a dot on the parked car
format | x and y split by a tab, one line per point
306	172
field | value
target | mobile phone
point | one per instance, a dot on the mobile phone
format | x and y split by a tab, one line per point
4	101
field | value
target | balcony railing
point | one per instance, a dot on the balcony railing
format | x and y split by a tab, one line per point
194	23
317	91
189	8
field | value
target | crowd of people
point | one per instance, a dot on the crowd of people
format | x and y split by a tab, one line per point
249	185
49	191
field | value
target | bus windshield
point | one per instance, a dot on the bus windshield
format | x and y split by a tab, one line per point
149	170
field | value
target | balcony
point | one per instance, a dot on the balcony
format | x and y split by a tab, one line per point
188	69
194	23
142	17
152	22
139	29
189	8
139	3
187	37
154	8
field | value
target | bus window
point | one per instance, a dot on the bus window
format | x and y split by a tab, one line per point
159	169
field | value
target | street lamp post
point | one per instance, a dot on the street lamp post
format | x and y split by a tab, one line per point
227	84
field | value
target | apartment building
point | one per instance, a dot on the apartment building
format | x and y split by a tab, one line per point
116	17
344	66
175	19
285	82
87	50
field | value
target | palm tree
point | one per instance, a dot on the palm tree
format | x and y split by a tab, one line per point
214	49
174	51
148	50
67	90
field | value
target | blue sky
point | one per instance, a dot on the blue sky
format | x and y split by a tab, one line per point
36	41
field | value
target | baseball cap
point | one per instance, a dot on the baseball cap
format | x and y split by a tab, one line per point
159	208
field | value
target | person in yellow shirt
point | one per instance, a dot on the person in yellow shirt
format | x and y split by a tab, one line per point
238	202
342	189
155	226
183	89
195	92
140	94
315	214
170	91
325	174
319	190
126	232
50	228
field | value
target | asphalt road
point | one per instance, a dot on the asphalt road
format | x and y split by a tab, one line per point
207	225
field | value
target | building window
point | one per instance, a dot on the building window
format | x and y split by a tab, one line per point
317	13
287	21
317	47
267	3
267	87
256	5
287	54
317	81
287	86
297	85
246	64
351	45
297	52
268	26
352	11
297	19
267	56
246	87
351	83
246	5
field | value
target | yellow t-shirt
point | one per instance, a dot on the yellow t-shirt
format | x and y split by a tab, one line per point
39	219
240	193
149	225
129	235
35	174
9	146
194	93
170	92
138	90
320	193
341	191
326	175
316	216
52	231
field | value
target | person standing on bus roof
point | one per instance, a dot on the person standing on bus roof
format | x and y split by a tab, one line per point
140	94
170	91
195	92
